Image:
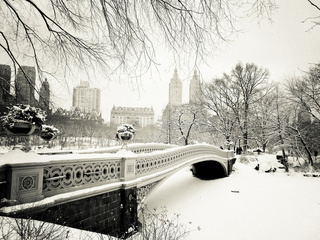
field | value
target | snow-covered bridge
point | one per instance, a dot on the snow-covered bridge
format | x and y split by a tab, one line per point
98	190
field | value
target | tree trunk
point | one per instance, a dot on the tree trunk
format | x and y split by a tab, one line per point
245	128
307	150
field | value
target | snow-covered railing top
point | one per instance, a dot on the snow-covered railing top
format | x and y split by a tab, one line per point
31	177
135	148
149	163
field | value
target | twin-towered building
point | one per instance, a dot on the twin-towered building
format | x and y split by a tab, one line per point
145	116
175	89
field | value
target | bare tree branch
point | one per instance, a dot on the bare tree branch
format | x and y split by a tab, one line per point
316	6
100	38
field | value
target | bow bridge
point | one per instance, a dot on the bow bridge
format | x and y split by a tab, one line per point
98	190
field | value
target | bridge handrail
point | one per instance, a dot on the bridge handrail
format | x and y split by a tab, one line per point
64	175
135	148
149	163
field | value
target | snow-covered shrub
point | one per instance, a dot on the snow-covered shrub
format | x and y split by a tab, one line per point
156	224
247	159
23	113
19	228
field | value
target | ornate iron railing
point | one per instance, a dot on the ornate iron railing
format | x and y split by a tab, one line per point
150	163
60	177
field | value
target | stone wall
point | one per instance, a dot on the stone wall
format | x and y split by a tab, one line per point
109	213
3	186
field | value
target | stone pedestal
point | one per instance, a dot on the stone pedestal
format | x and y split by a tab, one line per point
24	180
128	167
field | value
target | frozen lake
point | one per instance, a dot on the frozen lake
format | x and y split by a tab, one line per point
246	205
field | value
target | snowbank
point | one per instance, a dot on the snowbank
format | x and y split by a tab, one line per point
247	205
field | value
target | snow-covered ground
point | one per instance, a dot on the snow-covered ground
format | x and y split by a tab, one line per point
248	205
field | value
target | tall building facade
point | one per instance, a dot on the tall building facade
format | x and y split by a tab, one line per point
5	78
141	116
176	112
194	88
175	90
44	98
25	85
24	90
86	98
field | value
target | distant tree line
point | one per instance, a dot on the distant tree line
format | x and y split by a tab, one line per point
245	109
79	128
240	109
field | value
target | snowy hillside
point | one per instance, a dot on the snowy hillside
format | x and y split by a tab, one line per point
248	205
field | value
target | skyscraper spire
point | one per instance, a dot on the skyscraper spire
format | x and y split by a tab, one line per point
194	88
175	89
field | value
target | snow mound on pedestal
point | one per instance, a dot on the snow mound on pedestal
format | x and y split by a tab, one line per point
125	153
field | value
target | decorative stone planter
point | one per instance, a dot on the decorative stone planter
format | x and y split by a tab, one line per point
125	137
23	128
48	136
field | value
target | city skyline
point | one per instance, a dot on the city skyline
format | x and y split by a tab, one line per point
20	88
286	47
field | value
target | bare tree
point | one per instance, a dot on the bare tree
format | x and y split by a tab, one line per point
305	94
188	120
111	36
251	81
216	100
281	120
183	123
233	97
305	91
262	126
27	228
167	126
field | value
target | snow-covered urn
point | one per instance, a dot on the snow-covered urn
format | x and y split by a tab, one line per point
125	133
23	120
48	132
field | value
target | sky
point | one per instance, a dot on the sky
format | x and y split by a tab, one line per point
285	47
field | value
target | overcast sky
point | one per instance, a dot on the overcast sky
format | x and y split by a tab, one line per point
285	47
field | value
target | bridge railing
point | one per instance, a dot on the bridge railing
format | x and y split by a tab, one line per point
135	148
30	177
150	163
80	172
